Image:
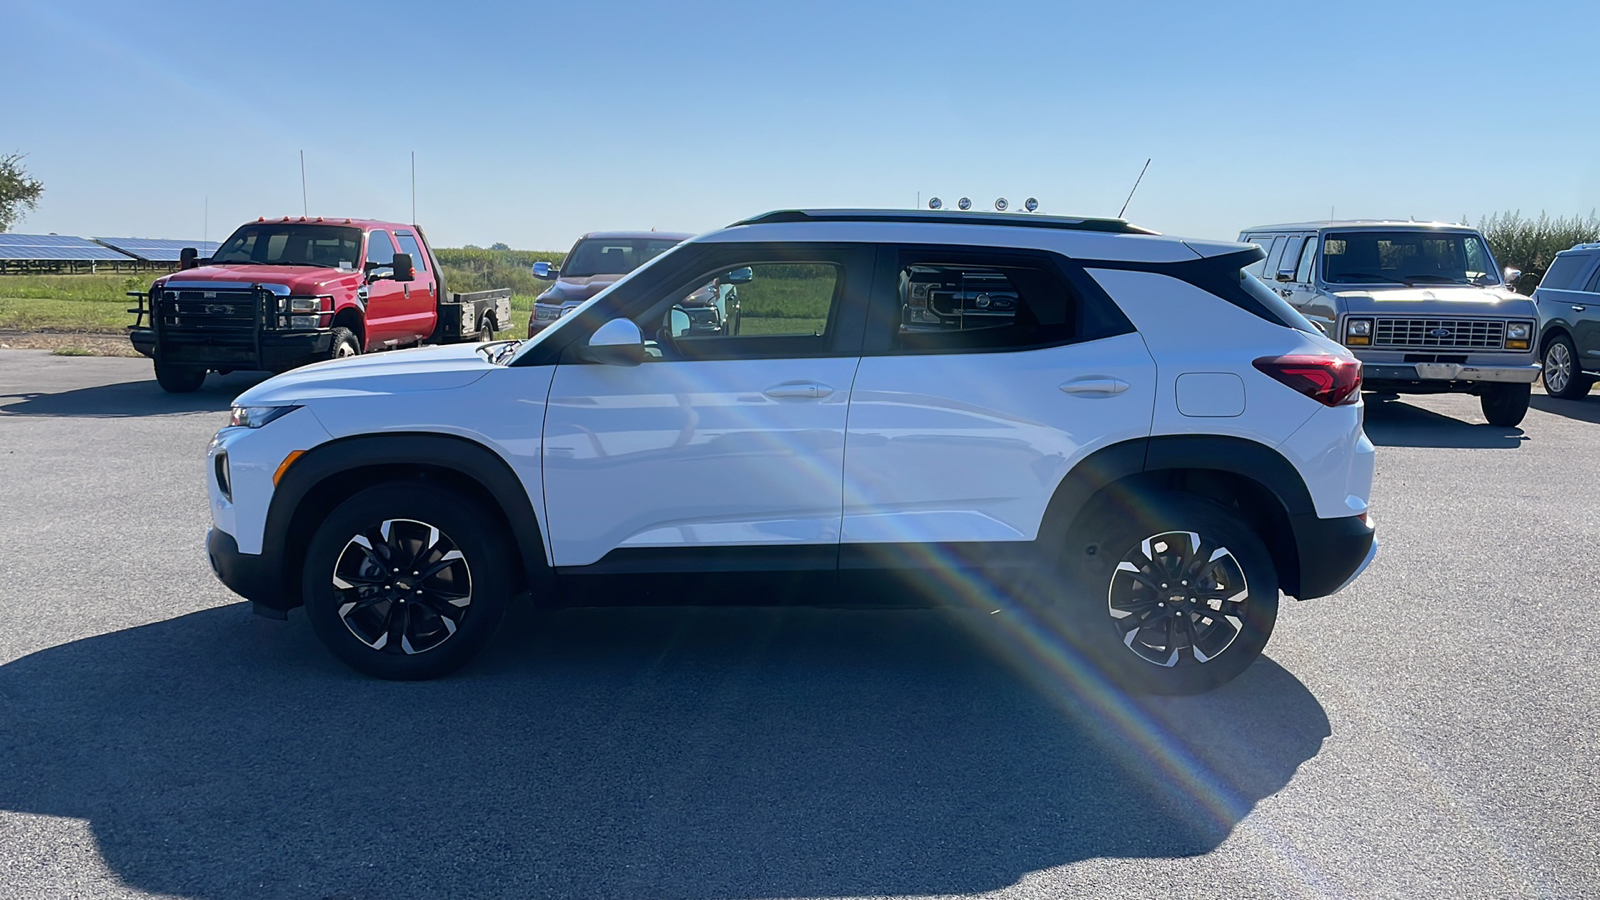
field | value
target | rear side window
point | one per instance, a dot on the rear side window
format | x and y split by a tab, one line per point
1563	273
1264	302
408	244
1594	282
1308	255
1274	257
1291	255
951	304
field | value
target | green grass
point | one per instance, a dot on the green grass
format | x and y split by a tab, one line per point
73	351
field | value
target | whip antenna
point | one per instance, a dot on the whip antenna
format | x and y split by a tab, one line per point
1135	188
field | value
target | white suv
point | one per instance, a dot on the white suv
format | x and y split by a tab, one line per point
1125	434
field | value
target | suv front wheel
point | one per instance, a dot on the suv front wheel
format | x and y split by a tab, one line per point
406	581
1176	598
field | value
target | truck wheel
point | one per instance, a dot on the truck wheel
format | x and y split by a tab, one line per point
1562	376
176	379
406	581
1504	405
486	333
344	344
1178	598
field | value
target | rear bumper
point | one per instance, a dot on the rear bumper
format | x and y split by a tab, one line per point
1445	376
1333	553
258	579
277	350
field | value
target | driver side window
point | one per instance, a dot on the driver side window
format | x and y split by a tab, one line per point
380	249
785	308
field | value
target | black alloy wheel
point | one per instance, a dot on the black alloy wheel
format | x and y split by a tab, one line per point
407	580
403	586
1178	596
1173	593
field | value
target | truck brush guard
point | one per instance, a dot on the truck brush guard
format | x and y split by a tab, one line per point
222	324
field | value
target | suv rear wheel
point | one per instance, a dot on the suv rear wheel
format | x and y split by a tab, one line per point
1176	599
406	581
1562	376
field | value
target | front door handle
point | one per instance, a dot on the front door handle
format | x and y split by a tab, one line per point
1095	385
1579	308
803	390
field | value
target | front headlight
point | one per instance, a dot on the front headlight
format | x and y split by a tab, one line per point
565	310
1518	331
1357	332
257	416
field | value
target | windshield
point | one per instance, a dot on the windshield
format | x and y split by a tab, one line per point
326	246
1407	257
612	256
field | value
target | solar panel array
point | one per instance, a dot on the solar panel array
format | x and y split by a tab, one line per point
56	248
157	249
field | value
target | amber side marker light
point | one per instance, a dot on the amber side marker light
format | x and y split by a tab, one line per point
284	466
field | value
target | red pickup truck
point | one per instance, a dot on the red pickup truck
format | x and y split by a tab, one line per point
280	293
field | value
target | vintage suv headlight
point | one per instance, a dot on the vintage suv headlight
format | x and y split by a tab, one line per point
257	416
1518	331
1357	332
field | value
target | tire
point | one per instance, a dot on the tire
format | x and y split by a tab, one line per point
344	344
1116	567
176	379
1562	376
1504	405
361	604
486	332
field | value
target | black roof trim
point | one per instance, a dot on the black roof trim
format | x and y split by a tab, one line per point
1019	220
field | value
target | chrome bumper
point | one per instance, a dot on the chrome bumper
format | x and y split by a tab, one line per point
1527	374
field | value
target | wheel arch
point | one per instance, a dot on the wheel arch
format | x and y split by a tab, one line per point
1253	479
327	475
351	317
1553	329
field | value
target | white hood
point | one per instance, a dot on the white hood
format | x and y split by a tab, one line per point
441	368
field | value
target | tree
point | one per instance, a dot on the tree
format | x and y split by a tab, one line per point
19	193
1530	244
499	245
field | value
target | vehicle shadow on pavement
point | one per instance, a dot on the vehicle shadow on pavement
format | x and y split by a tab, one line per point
665	753
1584	409
1395	423
131	398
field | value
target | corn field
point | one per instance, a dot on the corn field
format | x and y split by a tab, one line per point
1530	244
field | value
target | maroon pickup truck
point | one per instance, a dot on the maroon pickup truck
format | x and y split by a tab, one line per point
280	293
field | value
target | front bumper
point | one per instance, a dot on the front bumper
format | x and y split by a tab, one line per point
1333	552
258	579
273	352
1438	375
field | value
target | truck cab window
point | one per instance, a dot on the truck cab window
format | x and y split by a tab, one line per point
380	250
408	244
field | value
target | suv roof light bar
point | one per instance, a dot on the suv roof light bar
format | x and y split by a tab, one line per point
1111	226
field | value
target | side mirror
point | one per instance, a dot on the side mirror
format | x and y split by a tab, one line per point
738	276
188	258
403	270
618	342
1286	275
544	272
1512	276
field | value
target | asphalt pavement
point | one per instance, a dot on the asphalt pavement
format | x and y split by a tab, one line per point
1429	732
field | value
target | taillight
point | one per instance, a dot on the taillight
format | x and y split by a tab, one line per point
1329	380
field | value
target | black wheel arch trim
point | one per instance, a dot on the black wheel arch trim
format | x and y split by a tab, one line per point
1317	567
464	457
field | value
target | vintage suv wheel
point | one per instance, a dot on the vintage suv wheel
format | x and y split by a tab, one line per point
406	581
1181	599
1505	405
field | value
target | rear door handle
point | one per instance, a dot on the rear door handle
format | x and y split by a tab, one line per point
1095	385
804	390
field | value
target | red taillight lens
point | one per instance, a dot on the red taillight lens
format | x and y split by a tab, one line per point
1329	380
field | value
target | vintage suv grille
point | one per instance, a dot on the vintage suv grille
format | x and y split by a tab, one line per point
1439	334
221	313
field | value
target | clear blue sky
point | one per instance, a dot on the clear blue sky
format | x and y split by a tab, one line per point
534	122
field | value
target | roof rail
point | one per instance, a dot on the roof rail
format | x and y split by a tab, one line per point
1590	246
1111	226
